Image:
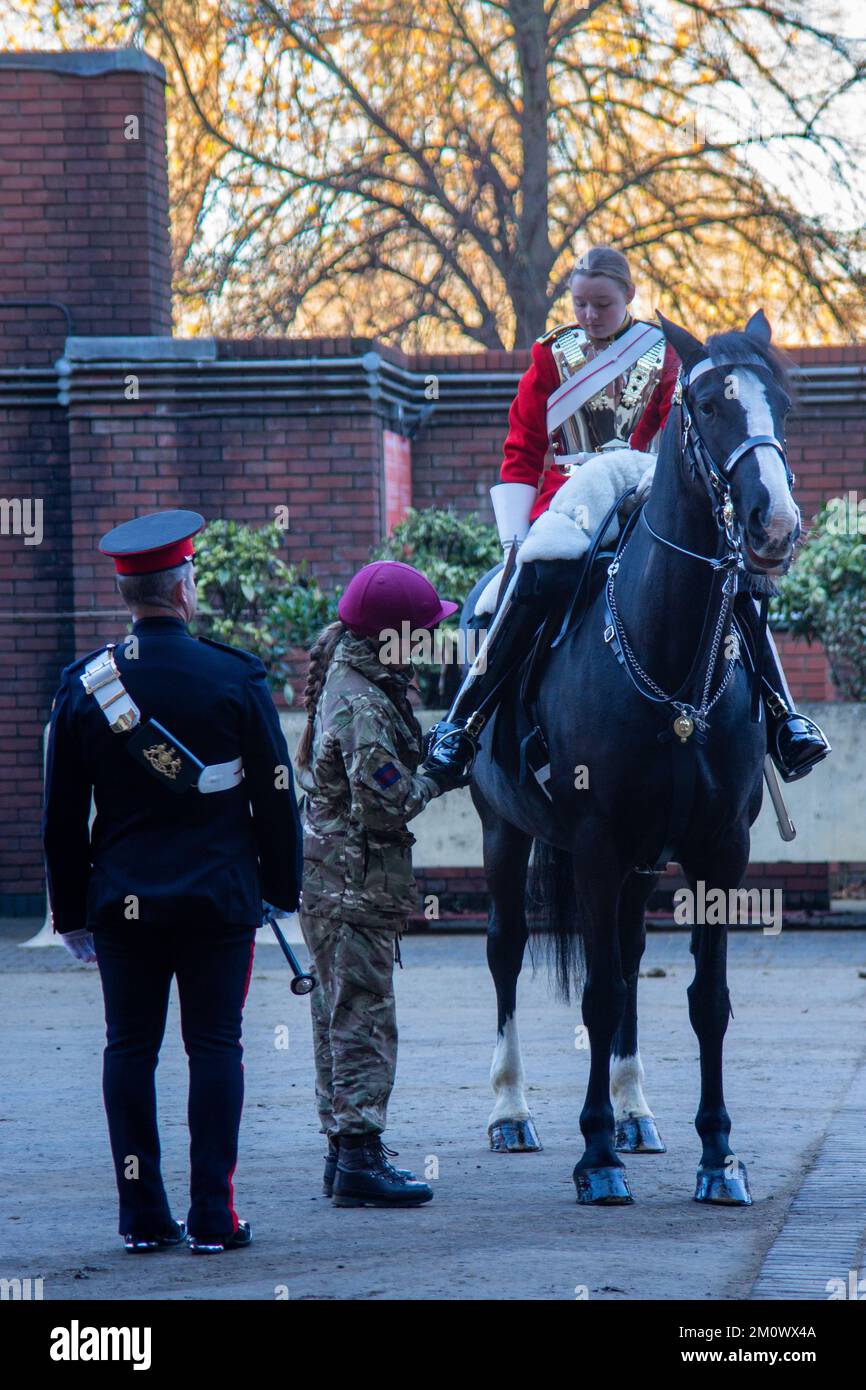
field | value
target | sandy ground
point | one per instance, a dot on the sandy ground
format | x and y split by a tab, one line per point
500	1226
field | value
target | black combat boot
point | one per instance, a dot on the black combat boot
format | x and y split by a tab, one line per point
365	1178
331	1166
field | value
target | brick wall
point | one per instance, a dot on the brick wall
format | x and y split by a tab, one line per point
236	466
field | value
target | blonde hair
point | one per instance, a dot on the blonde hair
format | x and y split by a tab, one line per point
603	260
321	653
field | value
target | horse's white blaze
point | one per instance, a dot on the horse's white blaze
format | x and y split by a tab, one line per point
783	512
507	1078
626	1087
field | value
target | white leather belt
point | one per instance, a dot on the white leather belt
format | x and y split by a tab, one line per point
101	679
221	777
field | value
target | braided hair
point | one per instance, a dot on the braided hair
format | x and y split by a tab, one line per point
320	659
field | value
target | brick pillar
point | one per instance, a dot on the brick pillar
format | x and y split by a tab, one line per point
83	196
84	219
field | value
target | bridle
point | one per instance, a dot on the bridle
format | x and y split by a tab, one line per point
717	479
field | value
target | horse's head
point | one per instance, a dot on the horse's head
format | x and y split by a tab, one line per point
734	400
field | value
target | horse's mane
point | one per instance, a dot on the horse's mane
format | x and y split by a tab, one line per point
739	348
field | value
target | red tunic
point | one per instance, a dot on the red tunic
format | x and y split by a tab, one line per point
527	443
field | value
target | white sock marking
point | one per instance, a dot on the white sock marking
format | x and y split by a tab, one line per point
626	1087
507	1078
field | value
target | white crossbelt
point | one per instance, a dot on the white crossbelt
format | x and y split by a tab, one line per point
599	372
101	679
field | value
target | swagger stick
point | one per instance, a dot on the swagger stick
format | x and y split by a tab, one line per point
301	983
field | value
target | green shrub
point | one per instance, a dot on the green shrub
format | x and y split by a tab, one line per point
453	552
250	597
824	596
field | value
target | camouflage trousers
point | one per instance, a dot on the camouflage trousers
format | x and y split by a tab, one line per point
354	1022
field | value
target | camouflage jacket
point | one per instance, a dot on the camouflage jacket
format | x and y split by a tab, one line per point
360	790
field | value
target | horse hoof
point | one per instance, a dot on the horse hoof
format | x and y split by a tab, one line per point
637	1134
514	1137
602	1187
726	1186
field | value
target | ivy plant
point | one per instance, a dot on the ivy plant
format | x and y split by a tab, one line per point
823	598
250	597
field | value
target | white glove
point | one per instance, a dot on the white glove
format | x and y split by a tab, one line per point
80	945
512	503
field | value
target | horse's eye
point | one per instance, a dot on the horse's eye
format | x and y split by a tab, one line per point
707	408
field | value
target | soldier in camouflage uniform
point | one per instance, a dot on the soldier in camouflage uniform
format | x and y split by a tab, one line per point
356	764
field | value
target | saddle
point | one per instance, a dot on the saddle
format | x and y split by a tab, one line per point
564	618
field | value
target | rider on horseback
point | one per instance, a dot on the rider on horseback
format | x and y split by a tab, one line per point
602	382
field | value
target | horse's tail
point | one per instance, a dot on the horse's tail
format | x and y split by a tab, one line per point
554	917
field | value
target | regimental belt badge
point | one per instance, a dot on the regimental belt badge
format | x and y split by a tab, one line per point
163	759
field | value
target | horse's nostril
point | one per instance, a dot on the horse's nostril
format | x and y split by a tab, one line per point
756	523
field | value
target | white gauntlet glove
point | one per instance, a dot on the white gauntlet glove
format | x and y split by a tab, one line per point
512	503
80	945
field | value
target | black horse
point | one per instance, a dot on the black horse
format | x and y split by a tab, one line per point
646	707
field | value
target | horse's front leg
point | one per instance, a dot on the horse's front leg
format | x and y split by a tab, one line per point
510	1126
600	1176
722	1178
636	1130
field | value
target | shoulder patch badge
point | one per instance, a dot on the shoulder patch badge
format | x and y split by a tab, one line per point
386	775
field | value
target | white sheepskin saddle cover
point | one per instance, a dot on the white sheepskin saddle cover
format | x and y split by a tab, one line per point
565	530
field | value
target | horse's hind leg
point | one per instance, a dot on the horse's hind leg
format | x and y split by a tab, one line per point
510	1126
636	1131
722	1177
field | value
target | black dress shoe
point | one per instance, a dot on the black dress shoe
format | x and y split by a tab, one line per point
143	1245
215	1245
796	745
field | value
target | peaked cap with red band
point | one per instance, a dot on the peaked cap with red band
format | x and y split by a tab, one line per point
151	543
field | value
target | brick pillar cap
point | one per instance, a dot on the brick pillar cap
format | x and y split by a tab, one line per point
90	64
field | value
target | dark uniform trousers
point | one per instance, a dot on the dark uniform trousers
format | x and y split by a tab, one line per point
212	967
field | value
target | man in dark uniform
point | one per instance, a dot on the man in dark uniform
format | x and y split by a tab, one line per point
179	744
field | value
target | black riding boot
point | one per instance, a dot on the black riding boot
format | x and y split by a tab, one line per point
794	742
454	742
365	1178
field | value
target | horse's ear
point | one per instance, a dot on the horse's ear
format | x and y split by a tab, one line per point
688	349
759	328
